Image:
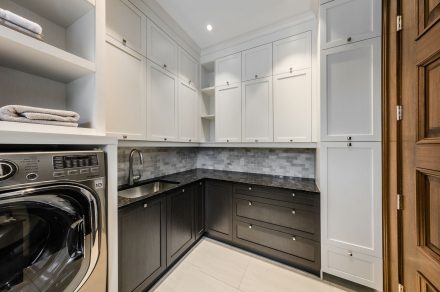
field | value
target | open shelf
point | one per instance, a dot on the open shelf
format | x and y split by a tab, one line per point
209	91
61	12
27	54
208	117
39	128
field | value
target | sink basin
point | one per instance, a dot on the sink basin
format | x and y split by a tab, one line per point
147	189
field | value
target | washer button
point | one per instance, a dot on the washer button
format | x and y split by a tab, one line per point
94	169
32	176
59	174
72	172
84	171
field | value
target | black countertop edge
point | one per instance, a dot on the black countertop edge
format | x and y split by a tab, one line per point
194	175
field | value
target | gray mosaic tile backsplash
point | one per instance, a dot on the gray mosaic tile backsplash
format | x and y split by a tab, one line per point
164	161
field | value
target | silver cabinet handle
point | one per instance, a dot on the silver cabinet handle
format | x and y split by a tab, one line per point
250	203
183	190
250	226
145	205
293	195
293	238
124	137
349	39
250	188
293	212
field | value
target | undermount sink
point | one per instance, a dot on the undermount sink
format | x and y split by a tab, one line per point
147	189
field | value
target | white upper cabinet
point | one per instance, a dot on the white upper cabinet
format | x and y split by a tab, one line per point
293	106
161	104
347	21
351	92
188	69
228	70
351	196
125	92
293	53
257	63
188	104
161	49
257	121
228	113
126	24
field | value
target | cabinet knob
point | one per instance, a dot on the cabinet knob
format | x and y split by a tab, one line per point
227	82
256	140
183	190
250	226
250	203
189	140
291	140
349	138
164	65
200	183
291	70
250	188
189	82
293	195
256	76
293	212
124	136
227	141
350	254
124	42
165	139
349	39
145	205
349	144
293	238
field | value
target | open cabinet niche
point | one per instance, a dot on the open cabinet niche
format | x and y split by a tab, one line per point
208	103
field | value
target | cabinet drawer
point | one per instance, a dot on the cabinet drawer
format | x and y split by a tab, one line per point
293	196
363	269
285	247
285	214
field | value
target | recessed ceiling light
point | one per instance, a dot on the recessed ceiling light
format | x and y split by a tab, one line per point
209	27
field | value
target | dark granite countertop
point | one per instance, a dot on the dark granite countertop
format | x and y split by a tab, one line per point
190	176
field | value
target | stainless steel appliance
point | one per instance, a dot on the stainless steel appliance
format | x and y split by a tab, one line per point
53	221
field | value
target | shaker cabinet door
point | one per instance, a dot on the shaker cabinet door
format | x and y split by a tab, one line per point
228	113
228	70
293	53
161	49
188	113
257	63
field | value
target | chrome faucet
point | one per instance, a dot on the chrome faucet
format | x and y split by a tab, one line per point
131	177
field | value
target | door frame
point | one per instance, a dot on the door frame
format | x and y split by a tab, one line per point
391	150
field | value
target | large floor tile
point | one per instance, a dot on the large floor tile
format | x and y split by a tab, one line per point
220	261
264	276
188	278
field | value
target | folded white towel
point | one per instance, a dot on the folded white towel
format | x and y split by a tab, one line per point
21	21
28	114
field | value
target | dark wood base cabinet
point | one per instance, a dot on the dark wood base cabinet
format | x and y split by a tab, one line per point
218	208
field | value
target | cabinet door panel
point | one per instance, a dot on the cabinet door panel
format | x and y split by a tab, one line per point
180	222
351	196
351	92
141	244
294	53
161	104
228	70
348	21
126	24
126	96
199	212
293	107
219	209
162	50
257	63
188	113
228	113
188	69
257	111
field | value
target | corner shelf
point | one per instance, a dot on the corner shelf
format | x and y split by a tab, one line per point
208	117
24	53
209	91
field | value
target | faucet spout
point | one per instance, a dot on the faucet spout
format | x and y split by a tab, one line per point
131	177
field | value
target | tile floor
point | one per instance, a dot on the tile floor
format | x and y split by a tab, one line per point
212	266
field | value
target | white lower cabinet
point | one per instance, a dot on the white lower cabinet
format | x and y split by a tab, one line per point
188	104
125	92
228	113
351	211
292	102
161	104
257	120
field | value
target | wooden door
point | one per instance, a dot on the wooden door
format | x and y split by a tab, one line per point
161	104
142	241
257	121
420	145
292	102
126	97
228	70
257	63
180	223
199	209
161	49
293	53
188	69
218	209
188	112
228	113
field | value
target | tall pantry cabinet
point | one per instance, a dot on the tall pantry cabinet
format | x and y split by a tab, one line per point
351	140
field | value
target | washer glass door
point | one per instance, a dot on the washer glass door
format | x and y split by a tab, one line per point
48	238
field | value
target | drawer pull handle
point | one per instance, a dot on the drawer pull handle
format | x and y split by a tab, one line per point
183	190
250	188
250	203
250	226
293	212
293	238
350	253
145	205
293	195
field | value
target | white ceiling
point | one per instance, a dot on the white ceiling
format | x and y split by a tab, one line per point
230	18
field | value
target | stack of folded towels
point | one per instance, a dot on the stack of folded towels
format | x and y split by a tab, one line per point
28	114
20	24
